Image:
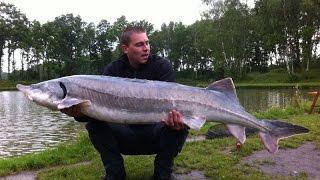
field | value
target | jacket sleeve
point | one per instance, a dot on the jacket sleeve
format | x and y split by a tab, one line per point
107	70
166	72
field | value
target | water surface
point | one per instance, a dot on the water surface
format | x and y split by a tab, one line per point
26	127
262	99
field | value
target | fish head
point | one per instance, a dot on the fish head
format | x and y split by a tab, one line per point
49	93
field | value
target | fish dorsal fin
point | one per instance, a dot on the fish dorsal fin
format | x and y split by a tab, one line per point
225	86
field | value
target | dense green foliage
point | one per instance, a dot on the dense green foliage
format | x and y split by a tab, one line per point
230	40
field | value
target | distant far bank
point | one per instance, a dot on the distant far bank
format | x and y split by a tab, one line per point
276	78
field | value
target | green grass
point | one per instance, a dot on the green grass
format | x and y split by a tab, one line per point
281	76
11	85
301	85
276	78
248	85
69	153
6	85
217	158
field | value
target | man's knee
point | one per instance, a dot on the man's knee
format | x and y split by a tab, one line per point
173	140
96	126
100	135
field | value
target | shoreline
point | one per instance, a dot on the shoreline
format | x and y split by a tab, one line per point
308	85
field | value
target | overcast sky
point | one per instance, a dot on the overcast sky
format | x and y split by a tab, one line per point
156	12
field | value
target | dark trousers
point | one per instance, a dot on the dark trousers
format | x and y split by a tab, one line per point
112	139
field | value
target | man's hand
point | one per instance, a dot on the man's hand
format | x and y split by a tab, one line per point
73	111
174	120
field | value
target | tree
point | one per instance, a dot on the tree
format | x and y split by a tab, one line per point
13	30
231	29
115	32
68	37
101	53
287	29
310	30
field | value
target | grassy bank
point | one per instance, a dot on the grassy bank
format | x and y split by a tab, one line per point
243	85
276	78
217	158
68	153
281	76
7	85
11	85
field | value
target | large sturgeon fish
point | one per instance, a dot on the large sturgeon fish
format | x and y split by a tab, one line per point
137	101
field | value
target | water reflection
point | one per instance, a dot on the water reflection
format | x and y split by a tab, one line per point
261	99
26	127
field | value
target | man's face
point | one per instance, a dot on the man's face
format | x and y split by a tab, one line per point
138	49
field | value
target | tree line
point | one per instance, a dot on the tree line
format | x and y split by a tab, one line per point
230	40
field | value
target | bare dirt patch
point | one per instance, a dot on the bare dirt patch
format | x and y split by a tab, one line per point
193	175
28	175
288	162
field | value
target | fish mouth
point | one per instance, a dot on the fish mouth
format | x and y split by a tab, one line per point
22	88
25	89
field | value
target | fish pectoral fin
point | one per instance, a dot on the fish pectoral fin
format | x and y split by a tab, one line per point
194	122
237	131
68	102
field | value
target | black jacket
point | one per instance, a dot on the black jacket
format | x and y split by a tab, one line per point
156	68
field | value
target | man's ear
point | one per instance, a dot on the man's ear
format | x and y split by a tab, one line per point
124	49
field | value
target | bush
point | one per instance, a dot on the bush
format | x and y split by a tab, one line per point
293	78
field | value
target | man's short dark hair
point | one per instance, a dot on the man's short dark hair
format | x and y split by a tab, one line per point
128	31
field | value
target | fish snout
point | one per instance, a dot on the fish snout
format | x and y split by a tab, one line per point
25	89
22	88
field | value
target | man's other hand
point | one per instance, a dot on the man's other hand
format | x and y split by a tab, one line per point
73	111
174	120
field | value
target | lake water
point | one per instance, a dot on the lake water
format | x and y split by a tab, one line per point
26	127
261	99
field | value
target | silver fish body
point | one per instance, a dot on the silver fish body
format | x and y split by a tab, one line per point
136	101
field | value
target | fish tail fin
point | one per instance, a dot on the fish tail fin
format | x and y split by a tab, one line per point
279	130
